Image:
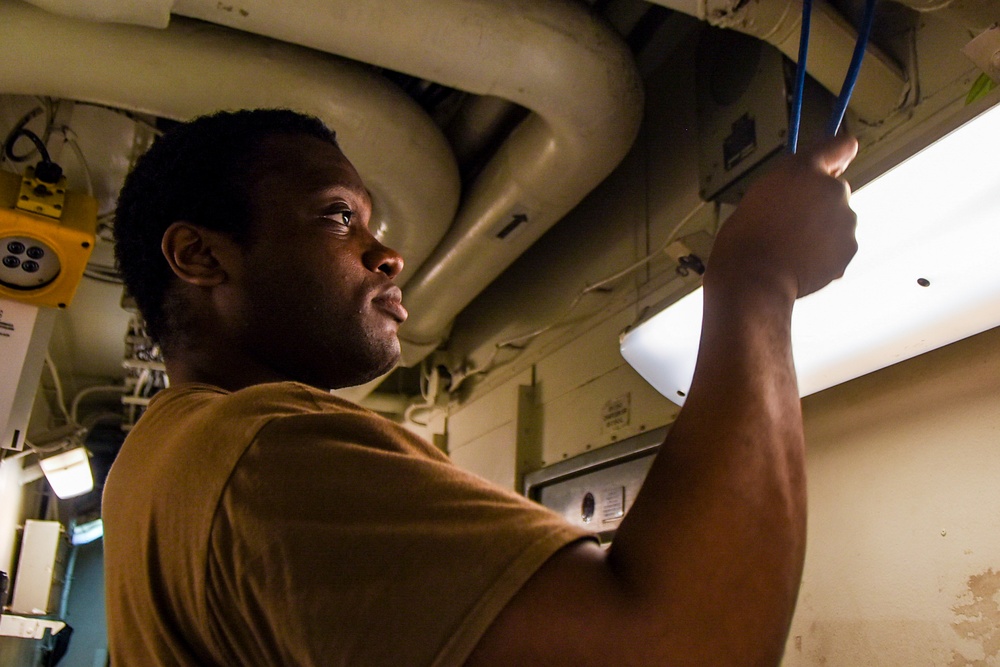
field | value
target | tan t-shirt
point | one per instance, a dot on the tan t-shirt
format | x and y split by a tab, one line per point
280	525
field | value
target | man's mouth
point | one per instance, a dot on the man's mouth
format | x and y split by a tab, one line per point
390	301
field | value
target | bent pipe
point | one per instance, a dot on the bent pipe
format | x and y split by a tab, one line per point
193	68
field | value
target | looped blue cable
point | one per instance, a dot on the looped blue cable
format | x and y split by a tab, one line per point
840	108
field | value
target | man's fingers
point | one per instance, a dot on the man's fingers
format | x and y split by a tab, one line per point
832	156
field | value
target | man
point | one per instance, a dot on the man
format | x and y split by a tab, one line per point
252	518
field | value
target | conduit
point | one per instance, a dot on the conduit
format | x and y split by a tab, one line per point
552	57
881	86
193	68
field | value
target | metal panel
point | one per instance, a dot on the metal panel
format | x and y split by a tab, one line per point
595	490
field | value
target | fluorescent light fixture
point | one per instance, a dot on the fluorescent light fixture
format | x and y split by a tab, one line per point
85	533
927	274
69	473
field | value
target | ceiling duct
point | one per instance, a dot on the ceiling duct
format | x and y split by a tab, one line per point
192	68
881	86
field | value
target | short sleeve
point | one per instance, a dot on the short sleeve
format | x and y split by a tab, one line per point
356	545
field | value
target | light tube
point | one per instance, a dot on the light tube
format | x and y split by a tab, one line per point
927	273
69	473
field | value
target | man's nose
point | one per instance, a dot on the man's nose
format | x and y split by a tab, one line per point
382	259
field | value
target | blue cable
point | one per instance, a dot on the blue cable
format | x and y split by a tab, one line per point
852	73
795	118
840	108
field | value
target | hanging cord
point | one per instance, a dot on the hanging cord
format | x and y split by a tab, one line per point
8	147
795	118
430	383
15	133
853	71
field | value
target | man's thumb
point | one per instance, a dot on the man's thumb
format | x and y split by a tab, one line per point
833	155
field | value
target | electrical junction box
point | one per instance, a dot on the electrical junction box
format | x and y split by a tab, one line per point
46	237
40	568
743	95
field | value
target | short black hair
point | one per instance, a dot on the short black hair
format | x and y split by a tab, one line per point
196	172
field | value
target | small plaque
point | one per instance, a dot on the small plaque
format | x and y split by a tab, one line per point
613	507
617	413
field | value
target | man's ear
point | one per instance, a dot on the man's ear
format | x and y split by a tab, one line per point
194	253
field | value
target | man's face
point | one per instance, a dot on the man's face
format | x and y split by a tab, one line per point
314	299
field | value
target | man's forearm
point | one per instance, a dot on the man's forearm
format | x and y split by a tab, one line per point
725	499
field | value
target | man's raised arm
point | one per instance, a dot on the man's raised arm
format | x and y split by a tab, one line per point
705	568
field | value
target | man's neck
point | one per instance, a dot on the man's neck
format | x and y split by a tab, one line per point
220	368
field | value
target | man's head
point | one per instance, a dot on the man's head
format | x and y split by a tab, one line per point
249	230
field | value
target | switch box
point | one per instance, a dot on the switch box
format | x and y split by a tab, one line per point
43	257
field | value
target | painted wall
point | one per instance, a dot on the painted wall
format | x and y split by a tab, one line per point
903	564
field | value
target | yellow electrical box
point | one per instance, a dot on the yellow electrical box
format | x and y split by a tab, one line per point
46	237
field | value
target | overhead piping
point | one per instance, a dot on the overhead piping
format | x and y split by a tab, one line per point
193	68
881	87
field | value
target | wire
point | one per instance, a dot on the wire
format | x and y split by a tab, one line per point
82	394
430	382
604	281
127	114
795	119
69	137
12	138
60	397
864	34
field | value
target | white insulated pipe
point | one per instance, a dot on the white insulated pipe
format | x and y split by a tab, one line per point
150	13
193	68
569	69
976	15
881	86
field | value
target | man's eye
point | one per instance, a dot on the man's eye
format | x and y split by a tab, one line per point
341	217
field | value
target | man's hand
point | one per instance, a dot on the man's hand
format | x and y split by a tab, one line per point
794	230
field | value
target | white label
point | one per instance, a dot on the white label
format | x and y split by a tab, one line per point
613	507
